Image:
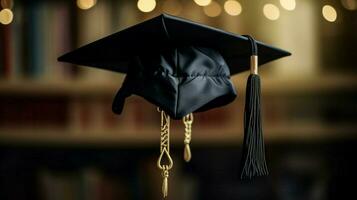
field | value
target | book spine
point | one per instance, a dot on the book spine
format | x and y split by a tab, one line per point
1	51
16	56
62	39
34	42
6	46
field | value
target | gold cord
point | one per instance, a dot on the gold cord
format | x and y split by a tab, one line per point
187	120
165	150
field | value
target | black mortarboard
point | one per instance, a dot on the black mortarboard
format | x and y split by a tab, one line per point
169	53
182	67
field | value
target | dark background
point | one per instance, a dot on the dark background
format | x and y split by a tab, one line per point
60	140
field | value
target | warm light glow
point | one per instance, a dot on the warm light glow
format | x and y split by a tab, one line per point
146	5
172	7
271	11
329	13
86	4
7	4
6	16
232	7
288	4
213	9
349	4
203	2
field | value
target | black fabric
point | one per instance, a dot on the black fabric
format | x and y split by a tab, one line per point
115	51
176	64
253	45
123	93
253	161
180	81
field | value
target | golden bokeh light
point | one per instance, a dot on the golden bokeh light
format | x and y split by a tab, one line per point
329	13
271	11
213	9
349	4
203	2
172	7
146	5
86	4
288	4
232	7
6	16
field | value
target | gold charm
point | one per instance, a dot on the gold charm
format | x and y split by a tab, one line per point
165	151
187	120
165	176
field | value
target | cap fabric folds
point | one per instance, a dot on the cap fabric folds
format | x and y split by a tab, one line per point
180	80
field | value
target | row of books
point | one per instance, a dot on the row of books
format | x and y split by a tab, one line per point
43	30
88	184
94	113
112	175
30	44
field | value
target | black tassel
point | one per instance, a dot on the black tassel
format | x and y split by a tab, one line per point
253	159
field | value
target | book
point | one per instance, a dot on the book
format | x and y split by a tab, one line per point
5	45
16	52
33	44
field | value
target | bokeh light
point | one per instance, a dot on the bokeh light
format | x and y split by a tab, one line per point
213	9
232	7
203	2
271	11
288	4
146	5
349	4
329	13
86	4
6	16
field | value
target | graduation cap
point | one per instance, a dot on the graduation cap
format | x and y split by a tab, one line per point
184	67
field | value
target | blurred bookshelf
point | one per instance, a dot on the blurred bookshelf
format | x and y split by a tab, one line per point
87	117
60	140
44	101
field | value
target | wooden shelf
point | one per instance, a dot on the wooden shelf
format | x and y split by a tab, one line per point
68	88
270	86
150	136
315	85
215	135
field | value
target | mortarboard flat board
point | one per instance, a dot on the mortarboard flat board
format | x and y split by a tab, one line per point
164	31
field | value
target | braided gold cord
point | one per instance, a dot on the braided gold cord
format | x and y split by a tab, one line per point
165	151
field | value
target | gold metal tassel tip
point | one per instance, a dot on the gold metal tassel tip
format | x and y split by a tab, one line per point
165	175
187	120
187	153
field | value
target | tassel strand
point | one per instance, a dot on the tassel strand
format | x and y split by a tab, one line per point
253	159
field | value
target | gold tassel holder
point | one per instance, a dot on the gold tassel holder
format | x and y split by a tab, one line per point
187	120
254	64
165	151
